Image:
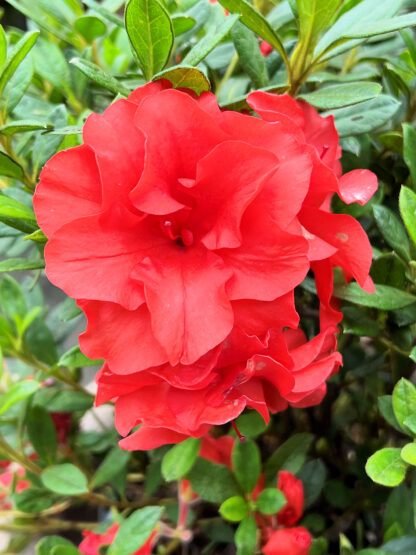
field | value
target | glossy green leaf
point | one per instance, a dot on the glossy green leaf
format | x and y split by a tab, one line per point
17	392
114	463
313	476
23	126
74	358
186	77
65	550
3	46
212	482
38	337
289	456
386	467
204	46
135	530
9	167
17	55
100	77
337	96
65	479
251	424
234	509
50	64
42	433
45	545
33	500
366	116
408	453
409	150
104	12
151	34
413	354
392	230
384	298
314	16
407	203
256	22
246	536
246	464
251	59
404	401
181	24
19	264
90	27
373	28
179	460
270	501
385	404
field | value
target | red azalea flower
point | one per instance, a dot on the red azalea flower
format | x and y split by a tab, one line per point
10	470
185	267
92	542
293	491
288	541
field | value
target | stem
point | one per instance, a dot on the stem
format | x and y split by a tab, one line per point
228	73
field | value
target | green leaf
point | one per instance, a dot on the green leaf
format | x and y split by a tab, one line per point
384	298
314	16
65	550
234	509
270	501
74	358
135	530
63	400
407	204
371	29
9	167
42	433
256	22
33	500
38	337
114	463
357	322
313	476
107	14
366	116
409	149
12	300
385	404
212	482
337	96
17	55
181	24
392	230
90	27
408	453
18	392
249	54
246	536
404	401
246	464
251	424
23	126
99	76
65	479
3	46
386	467
179	460
185	77
413	354
289	456
16	264
204	46
45	545
16	214
50	64
151	34
37	236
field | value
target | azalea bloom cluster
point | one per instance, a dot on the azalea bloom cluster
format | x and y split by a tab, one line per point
12	475
182	231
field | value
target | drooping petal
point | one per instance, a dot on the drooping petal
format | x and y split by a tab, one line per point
69	188
357	186
185	293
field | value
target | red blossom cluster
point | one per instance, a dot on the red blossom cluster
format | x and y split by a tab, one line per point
182	230
11	475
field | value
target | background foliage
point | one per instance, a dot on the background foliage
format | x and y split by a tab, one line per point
355	59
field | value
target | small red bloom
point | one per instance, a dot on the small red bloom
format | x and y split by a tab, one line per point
293	491
288	541
265	48
92	541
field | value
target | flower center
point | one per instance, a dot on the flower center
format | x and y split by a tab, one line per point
184	238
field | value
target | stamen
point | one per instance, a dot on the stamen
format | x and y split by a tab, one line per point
325	149
237	431
168	227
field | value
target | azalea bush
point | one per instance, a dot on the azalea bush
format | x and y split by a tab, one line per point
208	292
